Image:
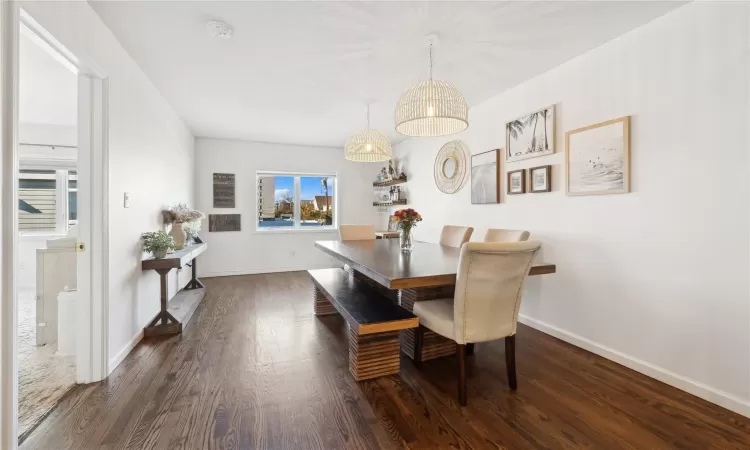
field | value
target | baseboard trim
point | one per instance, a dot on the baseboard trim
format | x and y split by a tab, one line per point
696	388
230	273
122	354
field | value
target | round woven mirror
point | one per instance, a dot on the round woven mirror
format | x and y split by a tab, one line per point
451	167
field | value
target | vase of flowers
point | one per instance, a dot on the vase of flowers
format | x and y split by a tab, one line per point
180	216
406	219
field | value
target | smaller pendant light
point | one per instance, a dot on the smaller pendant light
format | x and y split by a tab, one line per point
431	108
368	145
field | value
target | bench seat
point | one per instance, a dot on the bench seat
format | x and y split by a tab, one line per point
374	321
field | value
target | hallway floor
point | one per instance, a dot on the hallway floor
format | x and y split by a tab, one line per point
256	370
43	376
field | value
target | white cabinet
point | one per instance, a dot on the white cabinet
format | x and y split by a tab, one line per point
55	270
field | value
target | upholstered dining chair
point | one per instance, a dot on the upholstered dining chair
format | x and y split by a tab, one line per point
453	236
501	235
356	232
489	285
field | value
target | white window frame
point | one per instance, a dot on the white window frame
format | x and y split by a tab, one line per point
297	213
62	224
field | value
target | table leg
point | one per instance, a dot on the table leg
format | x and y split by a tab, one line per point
433	345
321	305
373	355
194	283
169	325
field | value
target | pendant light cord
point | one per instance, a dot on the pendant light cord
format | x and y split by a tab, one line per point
368	116
430	61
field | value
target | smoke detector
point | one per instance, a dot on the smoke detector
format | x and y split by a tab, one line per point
219	30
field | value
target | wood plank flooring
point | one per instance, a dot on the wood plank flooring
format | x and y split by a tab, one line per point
258	371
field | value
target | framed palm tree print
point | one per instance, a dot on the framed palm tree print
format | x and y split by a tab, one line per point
530	135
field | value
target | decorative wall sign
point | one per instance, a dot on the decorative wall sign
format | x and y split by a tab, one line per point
531	135
517	182
598	158
540	179
223	222
223	190
485	177
451	167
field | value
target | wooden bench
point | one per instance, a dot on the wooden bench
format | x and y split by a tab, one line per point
374	321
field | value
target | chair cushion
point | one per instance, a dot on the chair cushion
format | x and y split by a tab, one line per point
437	315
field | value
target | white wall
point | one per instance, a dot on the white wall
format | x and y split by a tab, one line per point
151	157
248	251
655	279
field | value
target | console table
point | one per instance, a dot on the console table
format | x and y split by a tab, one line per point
176	312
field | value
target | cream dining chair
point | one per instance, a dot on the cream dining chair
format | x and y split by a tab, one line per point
489	285
453	236
501	235
356	232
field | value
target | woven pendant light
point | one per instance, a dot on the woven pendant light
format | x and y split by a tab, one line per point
368	145
431	108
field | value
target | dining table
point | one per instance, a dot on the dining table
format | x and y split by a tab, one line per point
426	272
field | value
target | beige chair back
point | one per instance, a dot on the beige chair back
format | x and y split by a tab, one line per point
453	236
356	232
500	235
489	286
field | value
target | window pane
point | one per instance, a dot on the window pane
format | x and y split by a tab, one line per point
36	200
275	201
72	207
316	201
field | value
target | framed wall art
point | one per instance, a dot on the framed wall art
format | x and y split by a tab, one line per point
224	222
540	179
517	182
223	190
485	177
531	135
598	158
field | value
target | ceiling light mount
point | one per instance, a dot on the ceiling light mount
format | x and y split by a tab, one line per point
219	30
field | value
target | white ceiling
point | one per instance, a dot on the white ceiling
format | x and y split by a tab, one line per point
302	72
48	90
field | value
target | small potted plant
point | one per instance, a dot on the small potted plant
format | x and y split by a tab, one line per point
406	219
157	243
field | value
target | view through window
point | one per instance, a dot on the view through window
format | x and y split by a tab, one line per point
296	201
42	202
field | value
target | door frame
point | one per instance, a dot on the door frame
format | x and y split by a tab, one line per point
92	343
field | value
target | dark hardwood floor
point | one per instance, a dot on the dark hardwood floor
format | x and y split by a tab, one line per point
256	370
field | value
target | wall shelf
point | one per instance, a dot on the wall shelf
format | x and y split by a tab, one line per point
395	202
389	183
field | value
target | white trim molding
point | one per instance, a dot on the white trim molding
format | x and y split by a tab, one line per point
232	273
124	352
696	388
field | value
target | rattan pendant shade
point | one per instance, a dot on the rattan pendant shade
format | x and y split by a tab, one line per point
431	108
368	145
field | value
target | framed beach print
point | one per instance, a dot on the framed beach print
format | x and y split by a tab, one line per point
531	135
540	179
485	177
598	158
517	182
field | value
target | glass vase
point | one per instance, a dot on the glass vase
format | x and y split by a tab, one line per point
405	240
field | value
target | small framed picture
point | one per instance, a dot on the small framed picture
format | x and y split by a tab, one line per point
517	182
540	179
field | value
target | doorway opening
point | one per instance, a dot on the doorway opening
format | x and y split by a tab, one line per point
47	272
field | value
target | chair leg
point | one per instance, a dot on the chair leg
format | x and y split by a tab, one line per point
461	356
469	349
510	361
418	345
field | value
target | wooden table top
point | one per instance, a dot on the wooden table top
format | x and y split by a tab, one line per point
425	266
174	260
